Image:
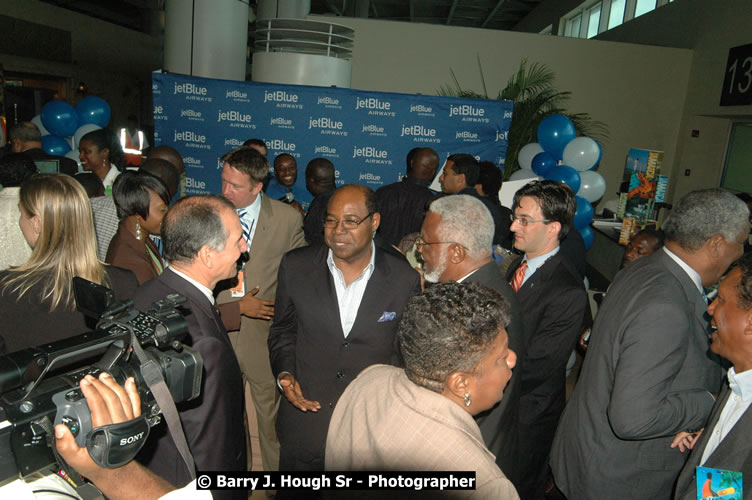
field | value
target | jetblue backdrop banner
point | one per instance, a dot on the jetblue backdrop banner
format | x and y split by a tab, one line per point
367	135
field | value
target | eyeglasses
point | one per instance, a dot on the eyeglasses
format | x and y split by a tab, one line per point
524	222
348	224
420	243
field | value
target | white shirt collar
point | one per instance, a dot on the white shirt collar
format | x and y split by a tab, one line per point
202	288
467	275
741	383
534	263
693	275
253	210
366	272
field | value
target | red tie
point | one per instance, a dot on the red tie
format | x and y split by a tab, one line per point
519	276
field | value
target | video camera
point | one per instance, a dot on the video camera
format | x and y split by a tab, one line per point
35	395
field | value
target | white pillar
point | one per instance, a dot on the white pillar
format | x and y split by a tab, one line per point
206	38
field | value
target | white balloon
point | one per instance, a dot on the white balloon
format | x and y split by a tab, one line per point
82	131
581	153
73	155
523	173
526	154
37	120
592	187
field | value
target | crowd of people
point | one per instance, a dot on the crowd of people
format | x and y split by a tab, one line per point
357	360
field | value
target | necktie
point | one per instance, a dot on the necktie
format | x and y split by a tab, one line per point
519	276
157	243
242	212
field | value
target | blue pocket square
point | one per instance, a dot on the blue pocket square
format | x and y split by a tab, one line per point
387	316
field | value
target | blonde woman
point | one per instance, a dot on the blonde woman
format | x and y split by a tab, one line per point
36	299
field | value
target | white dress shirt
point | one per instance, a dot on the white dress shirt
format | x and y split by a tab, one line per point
252	212
349	296
736	404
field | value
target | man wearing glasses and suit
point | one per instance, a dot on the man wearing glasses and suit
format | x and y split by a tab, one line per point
552	305
336	312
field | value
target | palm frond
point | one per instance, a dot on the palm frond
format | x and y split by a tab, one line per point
532	90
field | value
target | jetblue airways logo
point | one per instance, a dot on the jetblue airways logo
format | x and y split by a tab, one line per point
467	136
370	178
233	116
280	96
419	133
280	145
328	101
502	136
233	142
419	108
189	88
236	94
372	103
324	122
373	129
325	150
189	136
369	152
280	121
466	110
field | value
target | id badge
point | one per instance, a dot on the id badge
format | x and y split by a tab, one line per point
238	291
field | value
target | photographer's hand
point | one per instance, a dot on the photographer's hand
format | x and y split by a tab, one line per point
110	403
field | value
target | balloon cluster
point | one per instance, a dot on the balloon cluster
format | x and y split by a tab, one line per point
62	125
561	156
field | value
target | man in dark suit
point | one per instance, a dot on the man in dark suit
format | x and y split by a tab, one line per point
725	444
403	204
203	240
648	373
552	303
26	138
336	312
459	176
454	250
271	229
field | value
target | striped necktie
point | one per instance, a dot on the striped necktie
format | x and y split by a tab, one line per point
157	243
519	276
247	227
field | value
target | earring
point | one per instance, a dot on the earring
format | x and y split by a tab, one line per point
467	400
139	235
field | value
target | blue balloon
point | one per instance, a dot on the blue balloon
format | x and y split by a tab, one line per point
584	214
567	175
54	145
93	109
587	235
59	118
554	133
542	163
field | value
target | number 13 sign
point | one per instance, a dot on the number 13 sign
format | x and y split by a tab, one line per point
737	84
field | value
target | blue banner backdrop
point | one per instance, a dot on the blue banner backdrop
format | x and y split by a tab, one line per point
367	135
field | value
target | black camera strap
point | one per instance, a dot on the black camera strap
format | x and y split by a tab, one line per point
154	379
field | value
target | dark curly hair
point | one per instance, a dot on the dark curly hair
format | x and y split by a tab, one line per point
744	290
449	328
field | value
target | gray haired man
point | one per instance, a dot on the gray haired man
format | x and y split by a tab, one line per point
648	373
454	249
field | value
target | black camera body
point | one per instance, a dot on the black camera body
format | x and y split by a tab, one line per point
32	400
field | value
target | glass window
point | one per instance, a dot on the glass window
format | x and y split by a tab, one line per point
594	17
573	26
616	16
644	6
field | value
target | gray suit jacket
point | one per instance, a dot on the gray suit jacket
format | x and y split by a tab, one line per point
647	375
733	453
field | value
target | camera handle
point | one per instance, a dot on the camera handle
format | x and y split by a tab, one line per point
154	379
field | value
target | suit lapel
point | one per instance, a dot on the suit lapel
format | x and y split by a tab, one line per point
265	218
373	297
693	295
736	438
325	290
198	302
